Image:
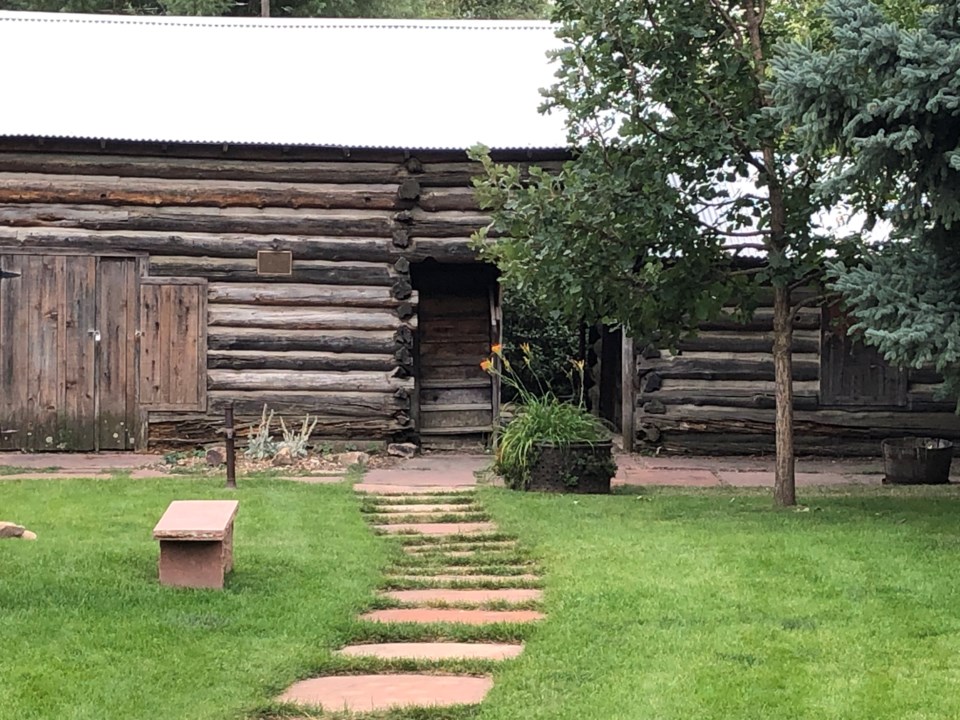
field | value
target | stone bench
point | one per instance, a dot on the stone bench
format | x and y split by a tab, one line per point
196	542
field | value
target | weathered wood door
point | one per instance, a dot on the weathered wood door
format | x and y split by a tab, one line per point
457	321
67	352
853	374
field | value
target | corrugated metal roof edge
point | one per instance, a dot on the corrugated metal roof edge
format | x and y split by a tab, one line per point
276	23
248	143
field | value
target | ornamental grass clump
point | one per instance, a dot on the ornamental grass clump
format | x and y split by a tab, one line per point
537	417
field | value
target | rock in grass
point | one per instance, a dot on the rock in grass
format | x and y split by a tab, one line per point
404	450
283	457
216	456
346	459
11	530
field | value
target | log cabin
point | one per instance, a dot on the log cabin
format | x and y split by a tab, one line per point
714	393
277	214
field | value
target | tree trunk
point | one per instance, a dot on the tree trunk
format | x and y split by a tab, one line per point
784	489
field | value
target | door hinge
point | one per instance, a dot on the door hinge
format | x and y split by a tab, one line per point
4	274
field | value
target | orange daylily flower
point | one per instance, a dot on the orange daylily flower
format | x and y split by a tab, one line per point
496	349
485	365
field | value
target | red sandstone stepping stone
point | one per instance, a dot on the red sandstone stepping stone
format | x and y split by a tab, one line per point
368	693
437	528
454	547
433	490
425	517
450	615
410	509
509	595
457	569
435	651
527	577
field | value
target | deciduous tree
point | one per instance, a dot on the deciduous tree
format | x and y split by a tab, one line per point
679	168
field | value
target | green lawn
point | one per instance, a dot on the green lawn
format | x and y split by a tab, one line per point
699	605
665	605
86	631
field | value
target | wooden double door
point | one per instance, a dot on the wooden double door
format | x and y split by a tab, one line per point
68	352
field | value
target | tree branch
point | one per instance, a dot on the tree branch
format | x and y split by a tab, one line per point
809	302
728	21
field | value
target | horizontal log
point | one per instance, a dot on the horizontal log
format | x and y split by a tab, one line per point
741	387
340	404
205	168
283	221
445	224
297	380
697	368
762	321
298	360
854	422
453	198
378	342
159	192
443	250
295	318
446	174
722	341
305	295
804	400
681	443
245	270
166	431
201	244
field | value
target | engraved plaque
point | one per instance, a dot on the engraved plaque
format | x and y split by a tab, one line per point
274	262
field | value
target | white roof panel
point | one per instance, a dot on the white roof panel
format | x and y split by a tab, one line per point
355	83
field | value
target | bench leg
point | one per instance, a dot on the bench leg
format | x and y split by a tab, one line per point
193	564
228	550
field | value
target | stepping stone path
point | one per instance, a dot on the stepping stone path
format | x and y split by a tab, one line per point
433	603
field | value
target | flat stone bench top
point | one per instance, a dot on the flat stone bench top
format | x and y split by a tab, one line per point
196	520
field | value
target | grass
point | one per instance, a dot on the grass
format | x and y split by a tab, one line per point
6	470
677	604
662	605
88	633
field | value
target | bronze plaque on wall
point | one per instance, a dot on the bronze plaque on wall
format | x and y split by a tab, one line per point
274	262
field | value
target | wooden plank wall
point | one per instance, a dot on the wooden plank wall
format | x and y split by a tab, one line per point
334	338
716	396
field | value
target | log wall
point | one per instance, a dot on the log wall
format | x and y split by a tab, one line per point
716	396
334	338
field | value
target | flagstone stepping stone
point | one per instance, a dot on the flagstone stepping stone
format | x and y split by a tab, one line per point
508	595
437	528
526	577
452	547
370	693
461	570
428	616
431	490
392	518
421	509
435	651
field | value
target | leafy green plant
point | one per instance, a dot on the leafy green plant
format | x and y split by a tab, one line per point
538	416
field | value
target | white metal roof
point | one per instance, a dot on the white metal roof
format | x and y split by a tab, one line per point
355	83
